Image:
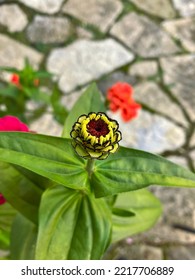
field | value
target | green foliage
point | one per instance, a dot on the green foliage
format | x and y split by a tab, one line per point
59	111
27	85
80	227
51	157
68	208
23	239
130	169
126	170
146	208
7	214
20	192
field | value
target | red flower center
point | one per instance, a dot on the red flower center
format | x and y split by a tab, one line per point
97	128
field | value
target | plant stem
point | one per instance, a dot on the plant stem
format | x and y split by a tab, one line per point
90	166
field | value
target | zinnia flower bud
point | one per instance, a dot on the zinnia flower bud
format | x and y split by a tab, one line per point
95	136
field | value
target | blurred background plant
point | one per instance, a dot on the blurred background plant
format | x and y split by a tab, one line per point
29	94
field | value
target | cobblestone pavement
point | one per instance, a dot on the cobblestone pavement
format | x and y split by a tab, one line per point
150	44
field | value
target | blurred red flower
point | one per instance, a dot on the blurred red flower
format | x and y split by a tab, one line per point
120	98
36	82
15	79
11	123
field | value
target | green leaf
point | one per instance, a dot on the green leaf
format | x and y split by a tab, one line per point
37	95
122	212
20	192
90	101
23	239
48	156
41	182
59	111
43	74
10	69
129	170
7	214
72	225
10	91
146	208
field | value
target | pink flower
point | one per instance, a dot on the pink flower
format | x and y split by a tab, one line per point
2	199
11	123
120	98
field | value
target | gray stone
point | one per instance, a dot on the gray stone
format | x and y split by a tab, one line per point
180	252
46	29
192	140
4	254
83	33
135	251
179	160
143	36
178	210
106	82
151	95
185	7
46	125
162	233
160	8
3	107
13	53
178	73
144	69
84	61
13	18
97	12
178	205
184	30
44	6
151	253
150	132
192	155
69	100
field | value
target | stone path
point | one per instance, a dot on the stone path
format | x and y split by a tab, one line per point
150	44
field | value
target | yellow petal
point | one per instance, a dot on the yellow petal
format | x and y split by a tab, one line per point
82	118
115	148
